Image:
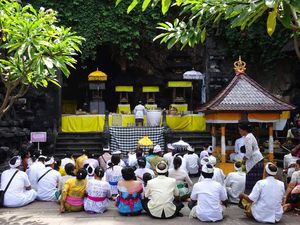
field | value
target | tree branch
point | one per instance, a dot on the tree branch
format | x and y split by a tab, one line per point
296	45
22	91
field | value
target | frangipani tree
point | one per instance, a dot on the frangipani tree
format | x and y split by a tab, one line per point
32	49
189	28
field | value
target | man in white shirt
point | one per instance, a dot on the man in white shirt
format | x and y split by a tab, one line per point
139	112
159	195
192	162
235	183
218	173
119	154
265	201
237	155
19	192
139	173
47	186
34	170
168	157
209	195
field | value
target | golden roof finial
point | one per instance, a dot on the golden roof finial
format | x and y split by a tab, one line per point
239	66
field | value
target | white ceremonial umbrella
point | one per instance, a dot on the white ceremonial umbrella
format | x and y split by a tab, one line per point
193	75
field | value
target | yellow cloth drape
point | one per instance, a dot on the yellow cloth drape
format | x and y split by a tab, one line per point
124	89
180	84
83	123
95	123
123	108
187	123
180	107
150	89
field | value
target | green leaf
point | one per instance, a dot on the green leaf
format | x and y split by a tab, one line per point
179	2
132	6
118	2
45	83
145	4
159	36
203	35
55	82
296	4
271	22
165	5
270	3
172	42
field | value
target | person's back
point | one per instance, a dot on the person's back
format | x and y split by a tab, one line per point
192	163
160	191
47	186
98	194
209	195
267	197
218	175
154	161
130	193
16	194
235	184
33	172
113	176
103	159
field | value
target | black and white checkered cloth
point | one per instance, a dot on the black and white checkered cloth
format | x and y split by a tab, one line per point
125	139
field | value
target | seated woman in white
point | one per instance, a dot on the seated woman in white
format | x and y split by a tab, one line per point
98	193
19	192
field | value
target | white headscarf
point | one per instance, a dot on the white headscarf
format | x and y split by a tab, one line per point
203	154
17	163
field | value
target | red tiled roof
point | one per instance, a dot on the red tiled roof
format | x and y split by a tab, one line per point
245	94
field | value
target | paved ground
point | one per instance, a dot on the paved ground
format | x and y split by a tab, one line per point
45	213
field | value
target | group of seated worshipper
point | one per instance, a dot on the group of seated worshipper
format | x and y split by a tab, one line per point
157	183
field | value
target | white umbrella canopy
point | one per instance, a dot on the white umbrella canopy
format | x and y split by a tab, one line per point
181	145
193	75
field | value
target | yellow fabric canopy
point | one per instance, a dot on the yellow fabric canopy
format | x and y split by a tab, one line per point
179	84
150	89
124	88
145	141
97	76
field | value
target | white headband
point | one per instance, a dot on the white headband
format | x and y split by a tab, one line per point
272	173
50	161
206	169
93	170
17	163
162	171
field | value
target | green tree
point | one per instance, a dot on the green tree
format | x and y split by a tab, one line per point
33	48
195	16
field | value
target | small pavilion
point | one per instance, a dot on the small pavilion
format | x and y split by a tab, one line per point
244	100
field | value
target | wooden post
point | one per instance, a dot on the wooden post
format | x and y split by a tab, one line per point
271	143
223	144
213	136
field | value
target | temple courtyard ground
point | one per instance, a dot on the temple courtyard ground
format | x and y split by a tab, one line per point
47	213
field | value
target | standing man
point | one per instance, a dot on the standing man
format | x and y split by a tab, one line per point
139	112
265	201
